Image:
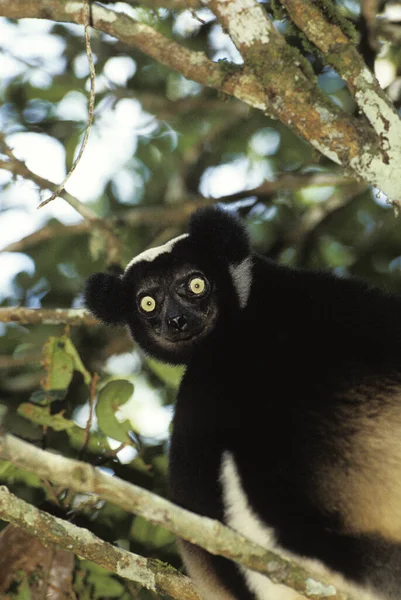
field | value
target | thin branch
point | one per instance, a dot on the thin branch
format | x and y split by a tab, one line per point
58	533
178	214
194	65
202	531
46	316
318	214
389	30
92	76
47	232
289	183
170	4
18	167
92	400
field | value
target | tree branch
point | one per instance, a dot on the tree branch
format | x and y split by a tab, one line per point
275	78
18	167
55	532
47	232
194	65
341	53
372	150
47	316
178	214
91	106
202	531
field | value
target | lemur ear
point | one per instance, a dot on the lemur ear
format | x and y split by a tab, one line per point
221	233
104	296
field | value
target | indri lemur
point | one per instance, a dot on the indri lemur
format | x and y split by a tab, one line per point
288	418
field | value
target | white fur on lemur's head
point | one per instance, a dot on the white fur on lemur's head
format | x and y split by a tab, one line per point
174	295
152	253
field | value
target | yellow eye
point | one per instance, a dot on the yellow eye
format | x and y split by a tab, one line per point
148	303
197	285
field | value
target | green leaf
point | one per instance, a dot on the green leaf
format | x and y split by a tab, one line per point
96	443
41	416
103	583
58	364
76	359
46	397
60	360
112	396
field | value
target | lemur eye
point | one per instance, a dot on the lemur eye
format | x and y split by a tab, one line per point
148	304
197	285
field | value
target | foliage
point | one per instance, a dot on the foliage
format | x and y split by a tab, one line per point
159	142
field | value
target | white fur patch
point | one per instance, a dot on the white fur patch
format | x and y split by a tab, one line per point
240	516
242	279
152	253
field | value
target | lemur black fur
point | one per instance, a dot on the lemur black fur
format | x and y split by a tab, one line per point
287	425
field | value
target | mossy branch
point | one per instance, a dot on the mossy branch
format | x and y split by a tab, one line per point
58	533
207	533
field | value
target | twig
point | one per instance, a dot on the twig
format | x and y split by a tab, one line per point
178	214
92	398
46	316
18	167
55	532
47	232
92	75
202	531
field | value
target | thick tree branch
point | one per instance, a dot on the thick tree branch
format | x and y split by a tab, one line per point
373	151
211	535
55	532
341	53
275	78
194	65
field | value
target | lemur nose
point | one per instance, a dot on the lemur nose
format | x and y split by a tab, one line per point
178	323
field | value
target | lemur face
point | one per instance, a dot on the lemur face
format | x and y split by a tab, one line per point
172	303
174	295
